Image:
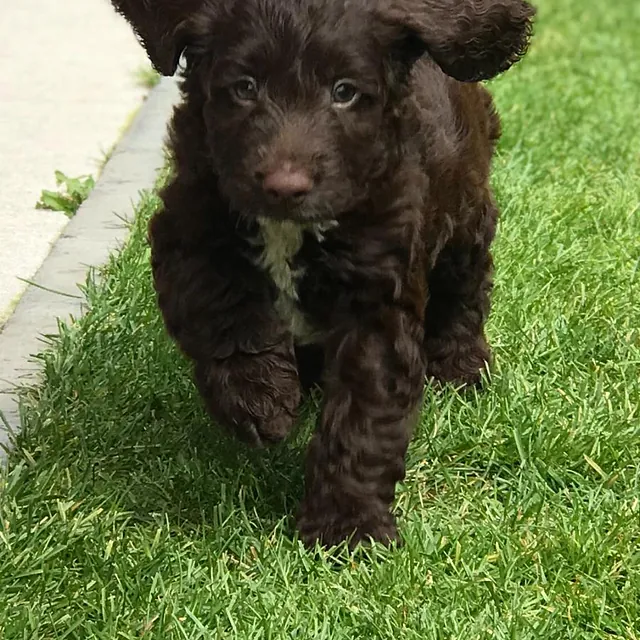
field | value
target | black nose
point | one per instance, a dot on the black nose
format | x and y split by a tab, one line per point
287	181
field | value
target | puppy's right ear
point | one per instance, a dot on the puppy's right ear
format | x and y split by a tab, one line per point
162	26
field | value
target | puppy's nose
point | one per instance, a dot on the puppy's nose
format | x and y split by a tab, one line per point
287	181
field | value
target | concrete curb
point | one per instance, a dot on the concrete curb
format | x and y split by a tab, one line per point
91	236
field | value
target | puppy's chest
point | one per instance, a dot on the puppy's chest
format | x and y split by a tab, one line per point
280	244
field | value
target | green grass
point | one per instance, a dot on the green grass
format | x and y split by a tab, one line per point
125	515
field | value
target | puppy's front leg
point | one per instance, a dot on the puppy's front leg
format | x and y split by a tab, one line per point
218	307
373	386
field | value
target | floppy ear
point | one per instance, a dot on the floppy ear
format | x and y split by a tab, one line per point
162	26
470	40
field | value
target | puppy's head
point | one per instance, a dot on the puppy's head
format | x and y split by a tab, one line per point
298	102
302	96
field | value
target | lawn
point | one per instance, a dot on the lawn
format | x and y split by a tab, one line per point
124	514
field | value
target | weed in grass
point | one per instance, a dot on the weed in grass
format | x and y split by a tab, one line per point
71	193
147	77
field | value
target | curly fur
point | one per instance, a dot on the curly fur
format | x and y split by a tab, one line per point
380	274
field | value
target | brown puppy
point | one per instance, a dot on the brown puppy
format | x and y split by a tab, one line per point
329	220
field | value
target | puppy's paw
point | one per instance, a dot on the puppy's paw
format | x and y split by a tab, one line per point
255	397
328	528
461	365
268	419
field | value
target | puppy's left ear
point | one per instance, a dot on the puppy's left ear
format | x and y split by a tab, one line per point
470	40
162	26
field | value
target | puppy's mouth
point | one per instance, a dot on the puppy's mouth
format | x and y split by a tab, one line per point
295	211
311	208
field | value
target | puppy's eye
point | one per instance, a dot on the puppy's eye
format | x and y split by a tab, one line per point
245	89
345	94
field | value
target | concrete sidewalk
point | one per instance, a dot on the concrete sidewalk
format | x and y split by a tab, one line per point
67	89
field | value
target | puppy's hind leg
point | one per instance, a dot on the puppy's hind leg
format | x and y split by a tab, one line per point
460	286
310	361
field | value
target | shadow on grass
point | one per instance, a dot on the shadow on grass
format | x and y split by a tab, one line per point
203	477
153	452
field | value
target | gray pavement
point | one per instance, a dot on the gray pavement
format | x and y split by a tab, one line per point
67	89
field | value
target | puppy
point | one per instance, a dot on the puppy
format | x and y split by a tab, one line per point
329	221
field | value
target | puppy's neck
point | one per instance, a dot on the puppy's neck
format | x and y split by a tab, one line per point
281	241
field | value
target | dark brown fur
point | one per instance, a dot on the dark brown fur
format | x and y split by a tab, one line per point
397	287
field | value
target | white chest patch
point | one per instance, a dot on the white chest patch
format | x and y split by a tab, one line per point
281	240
